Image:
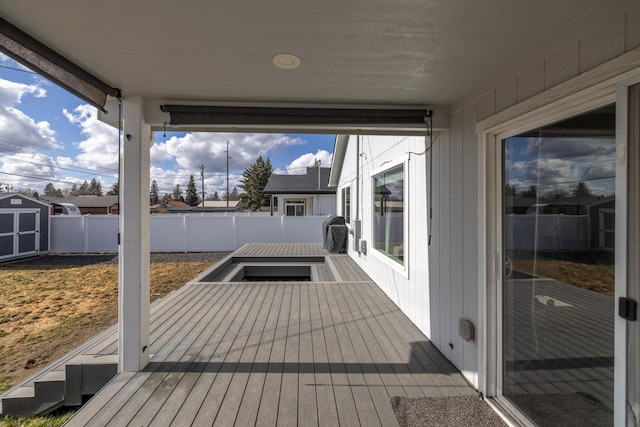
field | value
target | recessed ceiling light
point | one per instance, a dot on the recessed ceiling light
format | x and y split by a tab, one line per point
286	61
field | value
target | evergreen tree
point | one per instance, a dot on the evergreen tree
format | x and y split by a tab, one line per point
192	193
531	192
153	194
177	194
215	196
581	189
234	195
84	189
115	189
509	190
74	190
95	187
50	190
254	179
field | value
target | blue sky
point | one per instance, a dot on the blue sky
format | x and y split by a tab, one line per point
48	135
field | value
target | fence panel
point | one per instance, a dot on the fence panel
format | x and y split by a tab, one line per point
184	233
263	229
101	233
211	233
547	232
67	234
303	229
168	233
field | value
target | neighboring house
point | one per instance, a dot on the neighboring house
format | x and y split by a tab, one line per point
302	195
167	205
174	206
221	204
24	226
89	205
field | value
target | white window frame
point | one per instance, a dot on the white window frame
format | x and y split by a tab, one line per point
403	268
346	212
490	133
295	202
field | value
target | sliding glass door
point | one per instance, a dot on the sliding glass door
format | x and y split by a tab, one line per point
558	279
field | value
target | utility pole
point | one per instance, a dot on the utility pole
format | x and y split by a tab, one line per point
227	151
202	177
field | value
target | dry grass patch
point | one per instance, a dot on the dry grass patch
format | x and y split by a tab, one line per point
45	311
598	278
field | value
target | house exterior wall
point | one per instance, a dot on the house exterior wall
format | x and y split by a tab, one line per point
602	45
315	204
325	204
408	287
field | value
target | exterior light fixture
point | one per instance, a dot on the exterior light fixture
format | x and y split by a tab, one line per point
286	61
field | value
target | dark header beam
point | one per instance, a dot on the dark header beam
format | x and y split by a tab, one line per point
200	115
53	66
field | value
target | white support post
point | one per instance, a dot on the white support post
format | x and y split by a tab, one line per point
134	253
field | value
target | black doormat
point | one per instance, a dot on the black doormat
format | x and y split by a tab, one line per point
564	410
445	411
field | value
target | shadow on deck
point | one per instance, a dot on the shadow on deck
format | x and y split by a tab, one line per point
321	352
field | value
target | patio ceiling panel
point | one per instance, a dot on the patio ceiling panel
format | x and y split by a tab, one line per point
353	52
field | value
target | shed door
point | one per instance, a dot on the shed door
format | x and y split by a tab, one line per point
28	227
7	234
19	232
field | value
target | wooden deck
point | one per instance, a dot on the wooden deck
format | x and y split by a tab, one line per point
560	340
275	353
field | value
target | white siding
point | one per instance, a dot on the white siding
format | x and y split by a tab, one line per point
438	292
410	290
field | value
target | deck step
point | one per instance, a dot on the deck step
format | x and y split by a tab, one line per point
83	375
87	374
41	397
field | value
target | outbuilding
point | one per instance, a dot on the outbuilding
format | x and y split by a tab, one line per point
24	226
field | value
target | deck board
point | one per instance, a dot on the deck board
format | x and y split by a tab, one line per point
324	353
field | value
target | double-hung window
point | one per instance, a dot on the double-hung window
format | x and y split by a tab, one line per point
388	212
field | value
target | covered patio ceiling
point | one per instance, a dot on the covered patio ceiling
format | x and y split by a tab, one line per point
378	54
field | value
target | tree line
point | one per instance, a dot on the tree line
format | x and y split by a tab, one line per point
92	188
252	183
581	189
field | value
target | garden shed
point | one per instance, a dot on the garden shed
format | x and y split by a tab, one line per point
24	226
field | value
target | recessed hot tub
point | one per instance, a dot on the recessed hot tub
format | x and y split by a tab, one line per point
256	269
272	273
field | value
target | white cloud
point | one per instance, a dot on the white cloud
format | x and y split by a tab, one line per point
189	152
19	133
570	147
167	180
27	170
99	149
209	149
299	165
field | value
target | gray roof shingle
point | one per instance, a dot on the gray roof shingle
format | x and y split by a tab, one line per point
300	184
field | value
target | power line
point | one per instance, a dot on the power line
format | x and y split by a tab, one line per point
35	177
18	69
84	172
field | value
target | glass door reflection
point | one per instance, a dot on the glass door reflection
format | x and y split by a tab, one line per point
558	287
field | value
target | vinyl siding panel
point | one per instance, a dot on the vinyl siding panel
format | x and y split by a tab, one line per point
443	282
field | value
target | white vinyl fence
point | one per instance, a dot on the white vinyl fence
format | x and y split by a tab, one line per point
184	233
547	232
